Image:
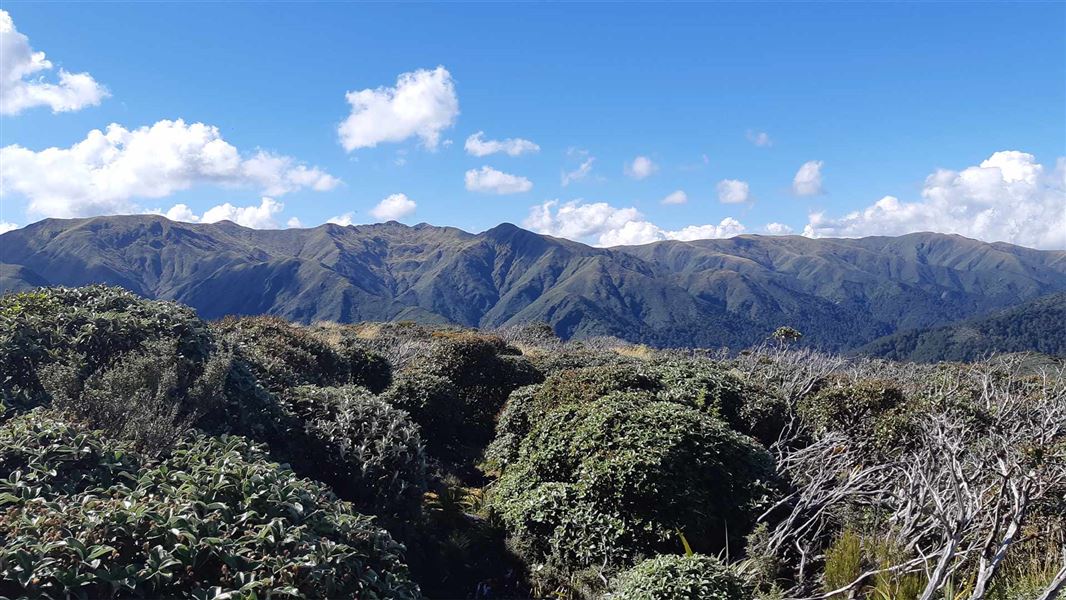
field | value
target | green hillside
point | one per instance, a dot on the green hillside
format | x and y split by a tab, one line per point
1035	326
841	293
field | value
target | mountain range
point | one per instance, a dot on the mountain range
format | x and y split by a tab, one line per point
842	294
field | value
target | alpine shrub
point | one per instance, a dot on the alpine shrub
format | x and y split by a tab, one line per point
369	452
747	408
679	577
485	371
851	407
79	517
283	355
603	482
83	330
433	402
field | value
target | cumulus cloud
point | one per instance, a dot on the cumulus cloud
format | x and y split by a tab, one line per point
395	206
490	181
476	146
260	216
423	103
1009	197
733	191
641	168
6	227
343	220
579	173
601	224
293	223
808	180
20	89
778	229
256	217
676	197
760	138
181	212
106	171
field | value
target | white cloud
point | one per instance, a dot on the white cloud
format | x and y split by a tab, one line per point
579	173
604	225
182	212
760	138
342	220
475	146
778	229
577	221
260	216
256	217
1009	197
293	223
491	181
632	233
106	171
6	227
641	167
423	104
676	197
20	89
808	180
396	206
733	191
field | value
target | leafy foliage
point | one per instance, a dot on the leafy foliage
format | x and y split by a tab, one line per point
677	577
433	402
84	518
284	355
84	330
485	371
369	452
603	482
864	409
711	388
608	460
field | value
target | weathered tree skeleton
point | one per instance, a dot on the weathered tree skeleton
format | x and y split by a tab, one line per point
958	498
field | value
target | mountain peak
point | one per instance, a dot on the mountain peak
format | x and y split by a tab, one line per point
841	293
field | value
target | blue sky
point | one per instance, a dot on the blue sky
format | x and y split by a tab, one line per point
954	111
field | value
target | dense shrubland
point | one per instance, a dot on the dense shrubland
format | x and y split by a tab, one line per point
145	452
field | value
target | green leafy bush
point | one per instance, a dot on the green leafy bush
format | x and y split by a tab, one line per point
485	371
150	395
433	402
679	577
368	451
366	366
592	383
84	330
283	355
83	518
574	356
701	385
527	405
602	482
513	424
868	409
747	408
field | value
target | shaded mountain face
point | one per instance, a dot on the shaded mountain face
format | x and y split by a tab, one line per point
840	293
1038	326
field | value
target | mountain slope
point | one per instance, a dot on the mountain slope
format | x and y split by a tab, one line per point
1038	326
840	293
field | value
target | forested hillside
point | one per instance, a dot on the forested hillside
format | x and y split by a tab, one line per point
841	293
145	452
1037	326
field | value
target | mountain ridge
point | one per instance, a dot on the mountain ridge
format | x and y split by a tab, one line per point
842	293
